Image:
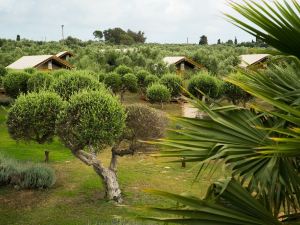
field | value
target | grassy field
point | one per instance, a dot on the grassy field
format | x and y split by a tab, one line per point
77	197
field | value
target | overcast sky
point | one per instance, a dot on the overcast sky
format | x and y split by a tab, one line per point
163	21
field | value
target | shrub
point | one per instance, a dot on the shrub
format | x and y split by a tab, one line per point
25	175
91	118
141	76
234	93
144	123
15	83
60	72
150	79
39	81
173	82
101	76
33	116
30	70
113	81
158	93
72	83
3	71
209	85
129	82
122	70
37	177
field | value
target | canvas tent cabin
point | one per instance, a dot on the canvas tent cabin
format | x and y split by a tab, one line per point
182	63
40	62
65	55
253	60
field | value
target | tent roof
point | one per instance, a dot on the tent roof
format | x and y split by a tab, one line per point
248	60
34	61
29	61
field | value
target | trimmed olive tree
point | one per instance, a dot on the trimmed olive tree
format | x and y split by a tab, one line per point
39	81
32	117
129	83
158	93
90	122
173	82
142	124
113	81
15	83
150	79
123	70
72	83
205	84
234	93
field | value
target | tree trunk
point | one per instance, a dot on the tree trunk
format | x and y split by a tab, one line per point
108	176
110	182
203	99
47	156
122	96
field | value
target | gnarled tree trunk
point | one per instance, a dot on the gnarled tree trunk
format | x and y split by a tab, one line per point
108	175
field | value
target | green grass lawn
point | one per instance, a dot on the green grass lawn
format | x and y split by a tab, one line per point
77	197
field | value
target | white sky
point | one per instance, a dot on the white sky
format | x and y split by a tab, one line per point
163	21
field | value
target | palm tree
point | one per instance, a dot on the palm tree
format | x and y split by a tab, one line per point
260	145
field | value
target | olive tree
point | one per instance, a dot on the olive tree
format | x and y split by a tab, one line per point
39	81
203	84
158	93
89	123
15	83
234	93
143	123
173	82
72	83
32	117
113	81
123	70
129	83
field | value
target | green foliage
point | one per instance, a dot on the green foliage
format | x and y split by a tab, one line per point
15	83
158	93
30	70
129	82
173	82
141	76
150	79
25	175
72	83
32	117
113	81
39	81
209	85
37	177
101	76
59	73
119	36
278	23
234	93
3	71
123	69
144	123
227	203
91	118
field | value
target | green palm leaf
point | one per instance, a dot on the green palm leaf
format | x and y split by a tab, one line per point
279	23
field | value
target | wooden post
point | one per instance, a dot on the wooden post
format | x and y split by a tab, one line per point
46	156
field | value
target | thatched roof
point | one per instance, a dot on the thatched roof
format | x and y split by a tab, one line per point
248	60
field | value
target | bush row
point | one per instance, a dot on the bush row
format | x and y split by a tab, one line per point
122	80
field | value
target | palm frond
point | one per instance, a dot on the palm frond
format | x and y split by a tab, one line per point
279	23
